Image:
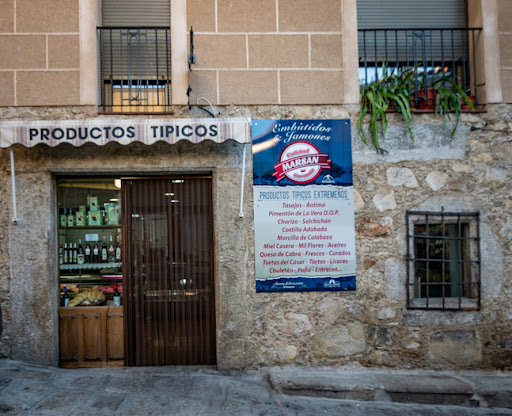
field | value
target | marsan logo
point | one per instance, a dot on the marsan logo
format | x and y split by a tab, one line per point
301	162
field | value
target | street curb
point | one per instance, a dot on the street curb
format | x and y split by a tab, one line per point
471	389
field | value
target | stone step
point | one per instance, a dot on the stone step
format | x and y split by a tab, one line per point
476	389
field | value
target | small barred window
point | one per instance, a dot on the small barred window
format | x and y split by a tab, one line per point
443	260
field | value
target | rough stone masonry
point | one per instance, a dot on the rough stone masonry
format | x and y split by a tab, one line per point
371	326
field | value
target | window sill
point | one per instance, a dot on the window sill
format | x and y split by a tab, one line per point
479	109
450	304
133	113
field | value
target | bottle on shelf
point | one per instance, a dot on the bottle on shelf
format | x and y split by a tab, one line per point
65	297
117	297
75	254
65	254
80	256
61	254
118	250
71	218
104	251
95	253
111	252
87	253
63	220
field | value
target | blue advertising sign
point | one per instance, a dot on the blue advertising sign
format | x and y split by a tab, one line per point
303	205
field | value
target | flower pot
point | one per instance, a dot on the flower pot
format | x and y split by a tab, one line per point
465	105
426	99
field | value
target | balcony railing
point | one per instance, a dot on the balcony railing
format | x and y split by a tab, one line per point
431	53
135	71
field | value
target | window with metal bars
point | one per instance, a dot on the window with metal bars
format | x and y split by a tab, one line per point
443	260
432	38
134	46
135	70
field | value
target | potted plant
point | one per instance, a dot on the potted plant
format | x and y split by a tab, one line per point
450	99
472	97
390	92
425	91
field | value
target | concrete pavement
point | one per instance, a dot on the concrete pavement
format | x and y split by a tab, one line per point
27	389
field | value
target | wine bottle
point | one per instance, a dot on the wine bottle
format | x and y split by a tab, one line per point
66	254
88	253
75	254
111	251
65	297
117	297
104	251
71	218
61	254
118	250
64	218
80	257
95	253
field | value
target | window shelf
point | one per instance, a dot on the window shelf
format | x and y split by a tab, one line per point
90	266
90	227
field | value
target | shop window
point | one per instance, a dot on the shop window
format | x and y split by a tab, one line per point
443	260
89	241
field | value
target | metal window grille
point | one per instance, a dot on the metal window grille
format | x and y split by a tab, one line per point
450	53
443	260
135	72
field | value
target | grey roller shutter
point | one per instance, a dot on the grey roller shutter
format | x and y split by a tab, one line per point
411	14
398	43
135	52
136	12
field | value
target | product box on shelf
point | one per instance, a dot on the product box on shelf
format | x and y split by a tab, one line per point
95	218
93	203
112	214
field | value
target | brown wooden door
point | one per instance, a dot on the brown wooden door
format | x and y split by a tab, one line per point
168	253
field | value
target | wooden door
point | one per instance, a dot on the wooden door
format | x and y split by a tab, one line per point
169	293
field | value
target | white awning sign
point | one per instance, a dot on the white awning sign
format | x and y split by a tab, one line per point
123	131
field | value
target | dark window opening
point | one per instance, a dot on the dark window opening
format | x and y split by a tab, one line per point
443	259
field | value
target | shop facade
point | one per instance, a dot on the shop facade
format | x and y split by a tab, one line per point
195	185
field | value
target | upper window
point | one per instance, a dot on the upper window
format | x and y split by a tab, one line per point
433	38
443	261
134	56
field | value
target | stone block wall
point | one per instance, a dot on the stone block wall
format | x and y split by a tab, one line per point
40	48
371	326
272	52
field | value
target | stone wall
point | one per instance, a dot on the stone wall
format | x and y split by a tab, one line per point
34	70
274	51
470	172
370	326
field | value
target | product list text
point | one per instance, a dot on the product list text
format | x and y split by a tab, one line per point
305	233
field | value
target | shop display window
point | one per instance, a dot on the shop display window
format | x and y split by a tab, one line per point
89	233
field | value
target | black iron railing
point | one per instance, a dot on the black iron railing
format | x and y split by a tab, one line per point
434	54
135	69
443	260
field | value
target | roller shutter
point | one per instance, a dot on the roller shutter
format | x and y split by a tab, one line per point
136	12
411	14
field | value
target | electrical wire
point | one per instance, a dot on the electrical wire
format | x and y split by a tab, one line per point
212	113
485	128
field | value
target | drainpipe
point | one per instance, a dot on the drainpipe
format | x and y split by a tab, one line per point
243	182
13	179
